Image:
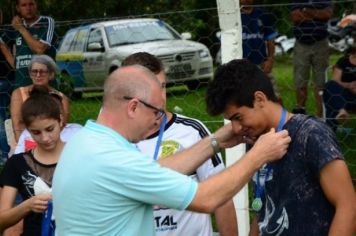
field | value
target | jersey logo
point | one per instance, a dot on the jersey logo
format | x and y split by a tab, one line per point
165	223
169	147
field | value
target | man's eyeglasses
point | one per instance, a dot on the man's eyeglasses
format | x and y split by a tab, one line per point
158	112
35	72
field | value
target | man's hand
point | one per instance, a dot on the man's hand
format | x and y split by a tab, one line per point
227	138
271	146
17	23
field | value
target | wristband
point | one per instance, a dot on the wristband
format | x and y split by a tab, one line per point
214	143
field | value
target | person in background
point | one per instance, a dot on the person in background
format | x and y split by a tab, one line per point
33	35
6	78
311	50
26	142
307	192
181	132
258	36
340	92
30	173
109	187
42	70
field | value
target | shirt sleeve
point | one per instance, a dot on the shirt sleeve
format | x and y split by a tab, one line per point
146	181
7	36
268	29
20	147
322	146
48	37
10	175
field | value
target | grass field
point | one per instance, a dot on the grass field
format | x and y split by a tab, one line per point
192	103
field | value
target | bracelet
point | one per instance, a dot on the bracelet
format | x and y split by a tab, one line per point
214	143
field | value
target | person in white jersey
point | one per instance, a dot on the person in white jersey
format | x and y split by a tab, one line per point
181	132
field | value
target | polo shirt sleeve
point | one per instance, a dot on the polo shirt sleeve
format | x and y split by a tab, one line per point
146	181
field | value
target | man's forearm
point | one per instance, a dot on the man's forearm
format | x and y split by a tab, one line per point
219	188
35	45
226	219
309	14
254	228
189	159
318	14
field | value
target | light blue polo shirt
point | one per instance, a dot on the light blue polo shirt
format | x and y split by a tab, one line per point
104	186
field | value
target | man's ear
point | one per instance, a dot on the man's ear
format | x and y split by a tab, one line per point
132	108
260	99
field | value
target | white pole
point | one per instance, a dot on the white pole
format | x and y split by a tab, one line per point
231	48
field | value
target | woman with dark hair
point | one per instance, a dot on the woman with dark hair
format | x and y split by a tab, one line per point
30	173
340	92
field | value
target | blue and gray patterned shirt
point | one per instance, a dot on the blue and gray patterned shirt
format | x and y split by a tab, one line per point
294	203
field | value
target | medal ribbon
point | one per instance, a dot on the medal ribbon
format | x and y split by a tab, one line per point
47	228
160	135
260	186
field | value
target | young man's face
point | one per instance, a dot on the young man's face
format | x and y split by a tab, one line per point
27	9
247	121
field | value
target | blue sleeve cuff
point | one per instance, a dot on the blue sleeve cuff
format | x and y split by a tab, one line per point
272	36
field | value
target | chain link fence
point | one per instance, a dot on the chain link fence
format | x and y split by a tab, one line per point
189	98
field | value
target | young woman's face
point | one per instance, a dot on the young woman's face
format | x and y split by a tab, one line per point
40	74
46	132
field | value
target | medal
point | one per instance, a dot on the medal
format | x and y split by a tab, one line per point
257	204
264	173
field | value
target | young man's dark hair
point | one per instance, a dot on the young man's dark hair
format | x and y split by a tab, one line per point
144	59
236	82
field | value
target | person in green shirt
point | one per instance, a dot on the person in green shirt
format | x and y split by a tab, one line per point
33	34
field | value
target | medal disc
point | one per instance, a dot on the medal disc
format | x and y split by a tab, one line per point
257	204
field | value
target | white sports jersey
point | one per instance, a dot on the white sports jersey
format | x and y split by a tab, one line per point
26	142
180	133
